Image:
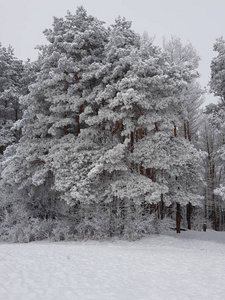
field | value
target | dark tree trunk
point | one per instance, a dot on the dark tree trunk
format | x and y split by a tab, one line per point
141	133
117	127
175	130
2	149
178	217
132	149
204	227
132	141
137	136
185	130
66	131
162	208
78	120
188	131
147	173
189	212
16	114
142	170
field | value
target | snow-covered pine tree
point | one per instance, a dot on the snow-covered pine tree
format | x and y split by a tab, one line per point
114	173
11	88
186	59
103	141
14	79
207	142
147	162
101	130
47	156
217	82
213	140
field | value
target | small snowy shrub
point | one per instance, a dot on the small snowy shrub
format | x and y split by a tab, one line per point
61	232
137	228
164	225
94	226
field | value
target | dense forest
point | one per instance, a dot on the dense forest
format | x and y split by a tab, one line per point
104	135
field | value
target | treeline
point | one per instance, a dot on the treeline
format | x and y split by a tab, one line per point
103	136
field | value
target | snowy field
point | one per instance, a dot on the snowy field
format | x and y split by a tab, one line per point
186	266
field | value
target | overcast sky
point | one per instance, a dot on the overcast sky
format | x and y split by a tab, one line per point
198	21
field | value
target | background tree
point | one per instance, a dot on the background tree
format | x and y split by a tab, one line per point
184	56
212	141
217	82
11	88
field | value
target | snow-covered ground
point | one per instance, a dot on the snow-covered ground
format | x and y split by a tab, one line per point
186	266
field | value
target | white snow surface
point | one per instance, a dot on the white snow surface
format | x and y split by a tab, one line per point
190	265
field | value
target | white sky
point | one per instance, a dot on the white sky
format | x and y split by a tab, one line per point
198	21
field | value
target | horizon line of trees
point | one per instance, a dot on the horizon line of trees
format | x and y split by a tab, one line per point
103	135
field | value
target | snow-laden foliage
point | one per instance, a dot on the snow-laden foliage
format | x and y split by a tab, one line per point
11	88
217	82
103	150
214	145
